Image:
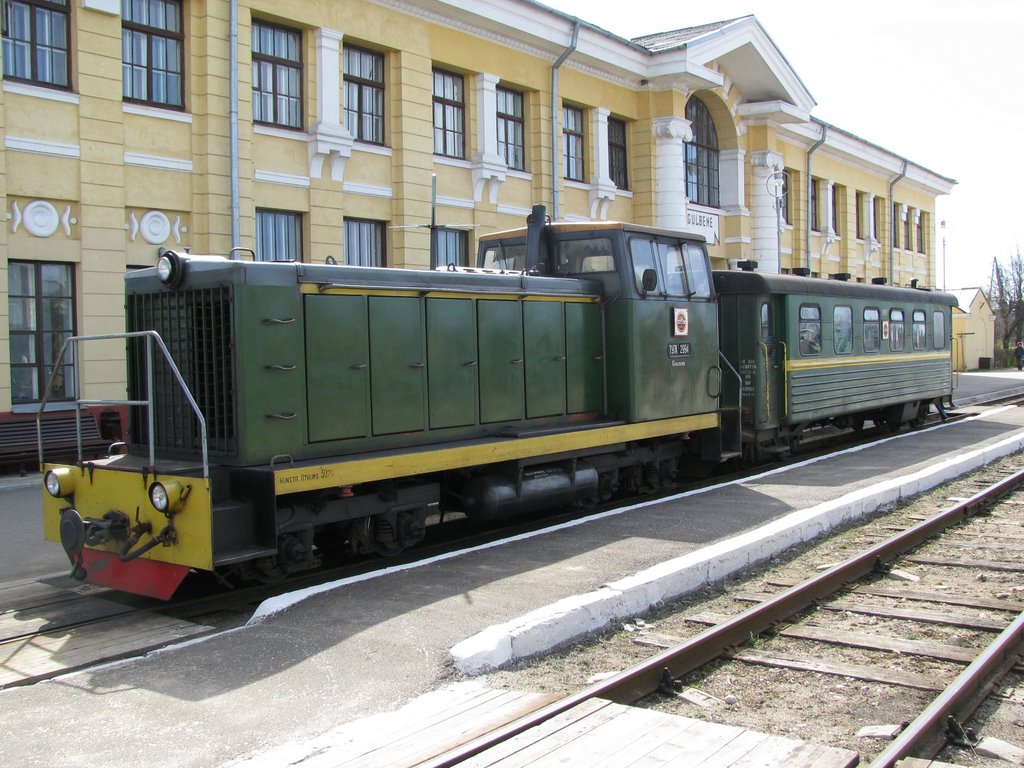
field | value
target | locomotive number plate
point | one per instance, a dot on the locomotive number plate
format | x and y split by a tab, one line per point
678	349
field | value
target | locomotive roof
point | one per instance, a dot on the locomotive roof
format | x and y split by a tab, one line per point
569	227
760	282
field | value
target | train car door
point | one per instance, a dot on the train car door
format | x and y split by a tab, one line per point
770	365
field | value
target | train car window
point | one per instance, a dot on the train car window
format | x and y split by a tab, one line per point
506	257
896	330
588	256
766	322
642	251
810	330
872	329
918	329
939	330
697	271
673	268
842	330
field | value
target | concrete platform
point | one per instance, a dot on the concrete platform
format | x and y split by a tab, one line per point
306	666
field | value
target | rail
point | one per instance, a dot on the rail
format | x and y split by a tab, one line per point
152	338
644	678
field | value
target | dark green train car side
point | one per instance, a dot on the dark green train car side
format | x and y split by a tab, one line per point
809	351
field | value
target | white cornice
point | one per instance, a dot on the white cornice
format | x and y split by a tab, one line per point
157	113
40	147
158	162
38	92
285	179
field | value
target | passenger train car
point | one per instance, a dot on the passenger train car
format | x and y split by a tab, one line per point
284	413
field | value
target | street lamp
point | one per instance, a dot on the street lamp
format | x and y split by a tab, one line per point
942	226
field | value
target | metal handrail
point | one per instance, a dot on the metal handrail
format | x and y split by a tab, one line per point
151	337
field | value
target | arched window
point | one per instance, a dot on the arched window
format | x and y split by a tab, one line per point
701	156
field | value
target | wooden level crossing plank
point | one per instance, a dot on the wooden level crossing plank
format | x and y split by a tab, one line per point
50	655
595	734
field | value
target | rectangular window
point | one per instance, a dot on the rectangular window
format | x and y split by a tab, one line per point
834	206
364	243
842	330
815	222
919	330
810	329
276	75
906	229
877	223
511	129
364	94
787	216
939	330
861	203
41	304
451	247
897	330
449	115
895	226
872	329
35	42
278	235
152	45
919	235
617	165
572	143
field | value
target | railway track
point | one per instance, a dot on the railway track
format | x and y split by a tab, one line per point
816	613
55	632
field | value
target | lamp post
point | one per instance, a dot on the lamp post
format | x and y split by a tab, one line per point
942	226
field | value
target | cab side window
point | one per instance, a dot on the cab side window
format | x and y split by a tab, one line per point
697	271
588	256
810	329
642	252
673	268
842	330
872	329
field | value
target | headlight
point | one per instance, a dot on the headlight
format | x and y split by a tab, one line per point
166	497
170	268
59	483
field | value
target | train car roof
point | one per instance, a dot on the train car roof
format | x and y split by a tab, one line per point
760	282
568	227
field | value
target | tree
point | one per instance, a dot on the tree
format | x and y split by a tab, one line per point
1006	295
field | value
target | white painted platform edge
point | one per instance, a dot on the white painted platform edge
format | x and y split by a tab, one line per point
565	620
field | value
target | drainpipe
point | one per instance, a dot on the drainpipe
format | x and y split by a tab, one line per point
554	116
807	238
892	229
233	112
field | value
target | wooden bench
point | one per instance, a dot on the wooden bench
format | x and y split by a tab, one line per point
19	438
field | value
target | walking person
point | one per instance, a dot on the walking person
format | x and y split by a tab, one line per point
1018	355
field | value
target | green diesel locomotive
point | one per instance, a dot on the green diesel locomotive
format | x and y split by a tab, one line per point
281	413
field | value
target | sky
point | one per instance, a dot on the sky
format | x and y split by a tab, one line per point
938	82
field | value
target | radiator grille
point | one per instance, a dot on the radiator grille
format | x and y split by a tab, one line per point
196	327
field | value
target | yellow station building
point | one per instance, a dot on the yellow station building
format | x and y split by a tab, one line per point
321	130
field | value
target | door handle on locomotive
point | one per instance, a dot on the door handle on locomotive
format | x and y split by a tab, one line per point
516	361
471	363
417	365
279	367
358	366
277	320
282	416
